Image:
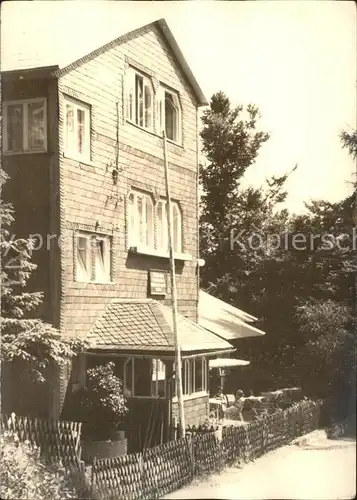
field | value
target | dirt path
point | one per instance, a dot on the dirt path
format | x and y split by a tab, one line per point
317	468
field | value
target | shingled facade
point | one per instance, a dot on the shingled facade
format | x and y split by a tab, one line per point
84	150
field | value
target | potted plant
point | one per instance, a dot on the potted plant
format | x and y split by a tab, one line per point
103	409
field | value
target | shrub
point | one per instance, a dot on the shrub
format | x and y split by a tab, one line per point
24	476
103	404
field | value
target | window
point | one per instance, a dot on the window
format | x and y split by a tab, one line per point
93	258
169	114
139	99
83	258
162	239
25	126
194	375
102	259
77	129
141	220
144	377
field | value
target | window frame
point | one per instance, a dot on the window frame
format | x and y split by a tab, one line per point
161	113
189	376
25	125
176	229
92	239
149	230
131	390
106	259
69	150
132	102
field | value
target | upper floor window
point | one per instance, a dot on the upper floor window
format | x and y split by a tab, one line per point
93	258
169	114
162	238
141	220
139	99
25	126
77	129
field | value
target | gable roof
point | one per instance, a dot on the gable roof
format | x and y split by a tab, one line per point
225	320
29	56
146	325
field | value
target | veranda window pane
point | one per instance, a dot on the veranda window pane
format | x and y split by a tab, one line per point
199	386
36	125
128	378
143	377
15	127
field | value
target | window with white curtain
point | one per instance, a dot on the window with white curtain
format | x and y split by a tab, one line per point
93	259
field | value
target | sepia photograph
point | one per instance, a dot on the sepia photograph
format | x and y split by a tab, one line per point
178	249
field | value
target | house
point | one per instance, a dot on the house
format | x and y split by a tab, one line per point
83	146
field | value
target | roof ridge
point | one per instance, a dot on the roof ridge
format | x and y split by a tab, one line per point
165	31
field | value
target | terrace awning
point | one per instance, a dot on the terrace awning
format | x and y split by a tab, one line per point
227	363
225	320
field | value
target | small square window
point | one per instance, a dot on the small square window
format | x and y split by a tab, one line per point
77	129
25	126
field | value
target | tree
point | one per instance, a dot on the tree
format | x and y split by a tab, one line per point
32	342
240	227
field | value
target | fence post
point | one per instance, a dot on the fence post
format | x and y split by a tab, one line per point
190	444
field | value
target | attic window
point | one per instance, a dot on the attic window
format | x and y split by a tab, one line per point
139	99
25	126
169	114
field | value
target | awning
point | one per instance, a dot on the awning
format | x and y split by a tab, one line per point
225	320
227	362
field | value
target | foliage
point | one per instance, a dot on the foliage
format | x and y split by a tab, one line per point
301	294
103	403
25	338
349	141
24	476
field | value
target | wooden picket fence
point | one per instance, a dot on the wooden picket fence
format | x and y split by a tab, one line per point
165	468
57	440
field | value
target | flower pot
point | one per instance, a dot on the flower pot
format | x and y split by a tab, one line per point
103	449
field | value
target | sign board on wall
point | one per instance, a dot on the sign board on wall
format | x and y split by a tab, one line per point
157	282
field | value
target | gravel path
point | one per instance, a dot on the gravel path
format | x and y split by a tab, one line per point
313	468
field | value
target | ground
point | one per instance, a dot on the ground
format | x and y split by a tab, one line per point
311	468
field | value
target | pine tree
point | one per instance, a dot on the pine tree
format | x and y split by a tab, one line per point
36	343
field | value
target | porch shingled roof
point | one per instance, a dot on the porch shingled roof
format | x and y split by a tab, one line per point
146	325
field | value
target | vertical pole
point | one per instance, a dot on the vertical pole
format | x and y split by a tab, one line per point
178	365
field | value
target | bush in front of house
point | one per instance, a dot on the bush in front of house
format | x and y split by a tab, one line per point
24	476
103	404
